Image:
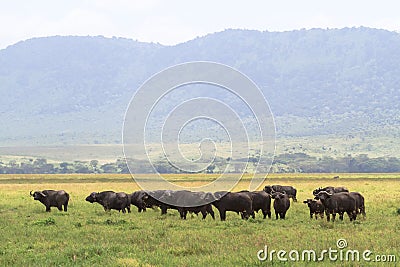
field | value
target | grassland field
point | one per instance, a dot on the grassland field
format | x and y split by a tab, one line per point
88	236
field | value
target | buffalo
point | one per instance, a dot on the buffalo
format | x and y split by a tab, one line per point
260	201
52	198
184	201
194	202
239	202
137	200
289	190
153	198
203	209
330	189
360	205
281	204
338	203
111	200
316	208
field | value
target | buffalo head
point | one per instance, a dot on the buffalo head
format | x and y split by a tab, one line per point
309	200
323	195
278	195
38	195
92	197
316	191
268	189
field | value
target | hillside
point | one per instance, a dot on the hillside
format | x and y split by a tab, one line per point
75	90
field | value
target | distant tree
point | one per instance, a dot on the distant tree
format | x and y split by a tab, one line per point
210	168
38	163
65	167
94	163
109	168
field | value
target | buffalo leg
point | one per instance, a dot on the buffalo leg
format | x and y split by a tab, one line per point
247	214
163	210
183	214
363	211
204	213
350	215
222	215
66	206
265	213
211	213
210	210
48	208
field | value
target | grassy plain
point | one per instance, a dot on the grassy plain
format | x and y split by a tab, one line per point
88	236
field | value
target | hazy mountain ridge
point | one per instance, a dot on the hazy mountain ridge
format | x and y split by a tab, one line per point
76	89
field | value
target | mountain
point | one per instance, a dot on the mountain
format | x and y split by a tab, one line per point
75	90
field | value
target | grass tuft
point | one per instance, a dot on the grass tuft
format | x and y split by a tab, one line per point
45	222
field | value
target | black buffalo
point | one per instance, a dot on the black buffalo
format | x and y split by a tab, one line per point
281	204
52	198
360	203
137	200
203	209
330	189
260	201
338	203
184	202
154	198
194	202
289	190
316	207
239	202
111	200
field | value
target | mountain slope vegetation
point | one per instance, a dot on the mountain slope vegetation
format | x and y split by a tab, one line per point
75	90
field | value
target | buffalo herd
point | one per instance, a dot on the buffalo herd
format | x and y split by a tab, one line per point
328	200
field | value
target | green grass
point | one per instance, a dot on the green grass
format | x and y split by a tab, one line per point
88	236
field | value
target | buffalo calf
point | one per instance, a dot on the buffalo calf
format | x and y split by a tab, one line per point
316	208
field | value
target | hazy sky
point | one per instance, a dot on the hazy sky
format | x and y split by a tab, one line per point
175	21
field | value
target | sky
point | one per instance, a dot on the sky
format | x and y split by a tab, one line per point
174	21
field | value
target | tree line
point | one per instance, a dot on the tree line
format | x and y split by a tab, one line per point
290	162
